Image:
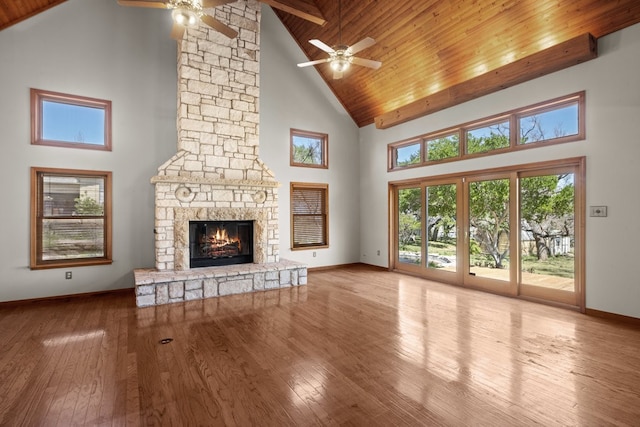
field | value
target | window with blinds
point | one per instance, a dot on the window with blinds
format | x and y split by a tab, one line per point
309	215
70	218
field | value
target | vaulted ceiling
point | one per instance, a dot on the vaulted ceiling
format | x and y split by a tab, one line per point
435	53
429	46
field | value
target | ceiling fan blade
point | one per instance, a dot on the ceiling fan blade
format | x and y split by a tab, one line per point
366	62
319	61
142	3
219	26
321	45
337	75
362	44
206	4
177	32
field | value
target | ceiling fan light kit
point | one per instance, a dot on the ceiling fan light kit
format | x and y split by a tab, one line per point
341	56
185	17
187	14
340	61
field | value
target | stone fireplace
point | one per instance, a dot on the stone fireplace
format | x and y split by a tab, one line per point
216	174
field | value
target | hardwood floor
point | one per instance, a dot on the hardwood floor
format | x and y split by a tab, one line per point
357	346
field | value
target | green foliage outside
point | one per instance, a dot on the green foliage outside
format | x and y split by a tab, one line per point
308	152
489	218
546	206
409	218
414	157
443	148
49	238
558	266
441	209
498	137
87	206
546	209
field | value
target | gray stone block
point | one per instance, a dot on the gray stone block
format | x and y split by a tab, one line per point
235	287
176	290
193	294
162	294
191	285
145	300
285	278
271	275
271	284
145	290
258	281
210	288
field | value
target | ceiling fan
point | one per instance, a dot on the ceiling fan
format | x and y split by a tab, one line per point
341	56
186	13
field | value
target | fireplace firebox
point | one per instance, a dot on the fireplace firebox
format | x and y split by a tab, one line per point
215	243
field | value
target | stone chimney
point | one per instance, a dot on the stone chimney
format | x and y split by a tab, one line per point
217	173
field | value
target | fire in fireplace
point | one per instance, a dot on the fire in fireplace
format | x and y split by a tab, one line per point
214	243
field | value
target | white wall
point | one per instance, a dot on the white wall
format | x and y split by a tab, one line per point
291	97
98	49
612	149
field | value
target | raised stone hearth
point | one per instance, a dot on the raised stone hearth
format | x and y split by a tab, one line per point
156	288
216	174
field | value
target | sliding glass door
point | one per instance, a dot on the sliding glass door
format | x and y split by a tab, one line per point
442	248
409	227
548	234
426	233
489	230
515	232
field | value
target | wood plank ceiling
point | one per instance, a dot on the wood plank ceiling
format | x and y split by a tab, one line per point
426	46
14	11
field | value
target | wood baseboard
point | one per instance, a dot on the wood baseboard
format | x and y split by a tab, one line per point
7	304
351	265
613	316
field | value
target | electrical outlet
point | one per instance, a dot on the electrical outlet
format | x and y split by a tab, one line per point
600	211
314	254
378	252
67	275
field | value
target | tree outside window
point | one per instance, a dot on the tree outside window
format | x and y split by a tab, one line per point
309	149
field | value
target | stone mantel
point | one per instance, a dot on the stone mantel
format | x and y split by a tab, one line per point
172	179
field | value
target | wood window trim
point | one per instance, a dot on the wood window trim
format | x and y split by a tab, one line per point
512	116
36	261
392	158
325	148
439	135
482	124
37	98
310	186
554	104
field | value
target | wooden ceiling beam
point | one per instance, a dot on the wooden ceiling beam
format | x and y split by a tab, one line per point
563	55
307	10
